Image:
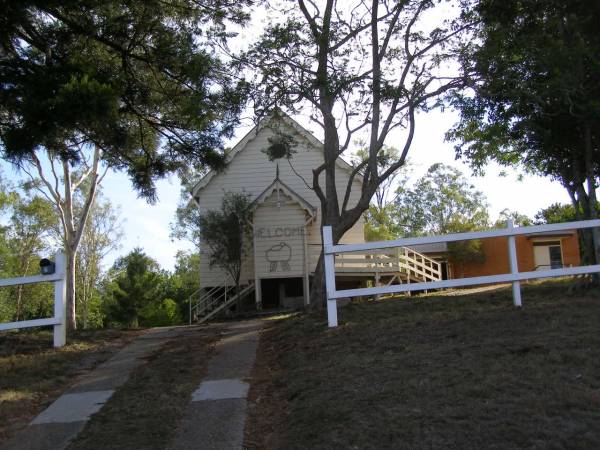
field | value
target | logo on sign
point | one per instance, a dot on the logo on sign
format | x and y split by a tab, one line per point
279	255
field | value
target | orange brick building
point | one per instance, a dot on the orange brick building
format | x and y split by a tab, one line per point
540	251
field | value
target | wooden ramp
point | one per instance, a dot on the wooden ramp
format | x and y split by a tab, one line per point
397	265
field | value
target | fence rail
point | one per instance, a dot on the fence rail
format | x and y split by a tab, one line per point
515	277
60	306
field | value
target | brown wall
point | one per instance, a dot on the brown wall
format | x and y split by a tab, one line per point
496	256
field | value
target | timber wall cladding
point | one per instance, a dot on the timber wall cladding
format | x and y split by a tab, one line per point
279	239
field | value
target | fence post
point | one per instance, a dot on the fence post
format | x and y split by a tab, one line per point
60	301
329	260
514	266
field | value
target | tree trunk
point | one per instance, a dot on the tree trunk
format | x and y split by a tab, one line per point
317	288
70	282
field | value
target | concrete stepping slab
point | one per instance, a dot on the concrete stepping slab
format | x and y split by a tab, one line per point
220	390
235	354
73	407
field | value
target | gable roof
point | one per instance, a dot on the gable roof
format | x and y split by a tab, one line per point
316	143
277	184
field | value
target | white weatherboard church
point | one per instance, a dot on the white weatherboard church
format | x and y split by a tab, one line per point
286	221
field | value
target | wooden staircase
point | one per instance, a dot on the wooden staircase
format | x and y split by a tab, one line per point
207	303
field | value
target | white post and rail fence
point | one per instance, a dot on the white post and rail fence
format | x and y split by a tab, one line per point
515	277
60	305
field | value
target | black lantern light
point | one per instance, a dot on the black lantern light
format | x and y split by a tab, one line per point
47	267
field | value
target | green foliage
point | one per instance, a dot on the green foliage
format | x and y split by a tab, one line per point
184	281
161	314
134	290
138	79
379	224
281	146
440	202
228	233
556	213
519	220
137	292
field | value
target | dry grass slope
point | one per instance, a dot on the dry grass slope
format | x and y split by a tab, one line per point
434	372
33	373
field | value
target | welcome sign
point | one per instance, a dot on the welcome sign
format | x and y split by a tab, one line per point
278	232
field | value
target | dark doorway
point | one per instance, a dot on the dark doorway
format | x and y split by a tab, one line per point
444	267
270	293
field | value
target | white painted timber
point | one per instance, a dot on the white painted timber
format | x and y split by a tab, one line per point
60	307
330	277
514	265
278	238
60	302
29	323
30	279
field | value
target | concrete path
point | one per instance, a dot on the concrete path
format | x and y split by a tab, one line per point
216	416
60	423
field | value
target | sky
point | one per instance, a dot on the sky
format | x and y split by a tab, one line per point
148	226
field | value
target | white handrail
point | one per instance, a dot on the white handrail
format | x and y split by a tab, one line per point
227	302
329	250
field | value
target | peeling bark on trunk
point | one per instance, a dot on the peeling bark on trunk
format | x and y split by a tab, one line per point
72	226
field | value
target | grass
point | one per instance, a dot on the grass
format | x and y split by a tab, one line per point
144	413
434	372
33	373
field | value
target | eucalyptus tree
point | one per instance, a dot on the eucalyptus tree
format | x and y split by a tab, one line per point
361	69
135	86
101	236
441	201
